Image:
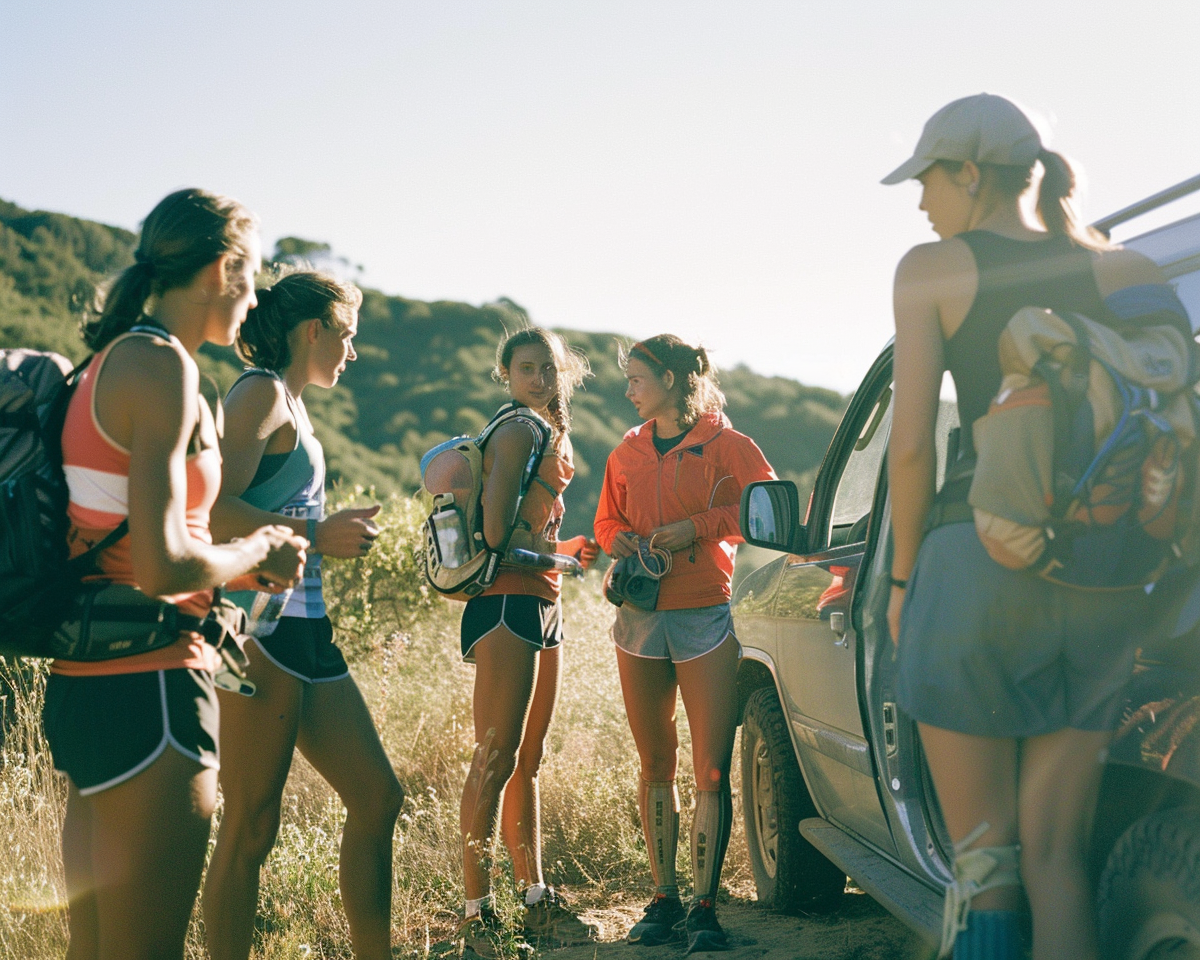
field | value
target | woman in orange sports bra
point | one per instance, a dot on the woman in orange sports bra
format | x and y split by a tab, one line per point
137	736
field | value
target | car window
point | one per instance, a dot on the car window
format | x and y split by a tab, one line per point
856	487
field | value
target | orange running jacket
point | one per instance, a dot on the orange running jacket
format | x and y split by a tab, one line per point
701	479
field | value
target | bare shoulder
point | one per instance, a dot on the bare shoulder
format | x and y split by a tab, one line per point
941	261
260	400
515	438
1120	268
150	369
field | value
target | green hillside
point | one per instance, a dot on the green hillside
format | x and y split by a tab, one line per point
423	372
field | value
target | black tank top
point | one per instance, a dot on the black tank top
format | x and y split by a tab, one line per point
1055	274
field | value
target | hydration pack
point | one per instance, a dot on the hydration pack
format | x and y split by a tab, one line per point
458	561
1087	460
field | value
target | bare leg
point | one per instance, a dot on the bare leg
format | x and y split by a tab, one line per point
976	780
257	737
339	739
149	836
82	921
1059	783
505	669
520	812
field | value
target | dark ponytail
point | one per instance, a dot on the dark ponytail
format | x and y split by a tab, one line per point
694	375
1055	206
295	297
188	230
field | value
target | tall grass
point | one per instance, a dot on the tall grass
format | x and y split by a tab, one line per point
406	660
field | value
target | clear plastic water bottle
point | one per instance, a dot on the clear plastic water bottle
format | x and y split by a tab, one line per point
545	561
451	538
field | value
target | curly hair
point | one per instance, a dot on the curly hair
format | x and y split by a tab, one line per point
571	365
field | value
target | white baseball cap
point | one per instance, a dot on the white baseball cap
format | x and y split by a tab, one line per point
984	128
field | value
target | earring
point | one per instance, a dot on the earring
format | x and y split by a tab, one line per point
972	188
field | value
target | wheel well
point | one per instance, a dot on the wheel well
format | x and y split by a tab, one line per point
1126	795
752	675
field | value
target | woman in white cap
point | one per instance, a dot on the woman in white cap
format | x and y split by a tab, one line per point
1016	682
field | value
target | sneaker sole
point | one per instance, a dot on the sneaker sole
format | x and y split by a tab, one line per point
655	935
708	941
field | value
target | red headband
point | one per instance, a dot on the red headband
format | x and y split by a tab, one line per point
648	352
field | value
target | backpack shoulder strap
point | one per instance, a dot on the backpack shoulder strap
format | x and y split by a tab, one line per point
512	412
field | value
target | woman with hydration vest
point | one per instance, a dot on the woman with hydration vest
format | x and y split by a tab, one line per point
137	736
669	510
1016	682
513	632
299	335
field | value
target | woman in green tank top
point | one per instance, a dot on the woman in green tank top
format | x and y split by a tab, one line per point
300	335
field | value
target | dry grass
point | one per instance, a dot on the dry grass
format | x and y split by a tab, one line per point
419	693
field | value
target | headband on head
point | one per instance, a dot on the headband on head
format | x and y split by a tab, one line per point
639	346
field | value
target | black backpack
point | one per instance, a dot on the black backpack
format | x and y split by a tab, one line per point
37	581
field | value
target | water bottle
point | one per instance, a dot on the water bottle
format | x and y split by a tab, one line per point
451	538
545	561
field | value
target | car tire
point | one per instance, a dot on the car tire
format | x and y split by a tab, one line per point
790	874
1149	893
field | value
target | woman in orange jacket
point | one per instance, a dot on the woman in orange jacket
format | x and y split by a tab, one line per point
670	507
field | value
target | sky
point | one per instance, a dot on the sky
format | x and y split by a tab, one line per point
705	168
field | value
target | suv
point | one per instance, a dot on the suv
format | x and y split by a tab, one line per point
834	782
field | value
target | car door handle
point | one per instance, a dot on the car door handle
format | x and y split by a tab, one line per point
837	623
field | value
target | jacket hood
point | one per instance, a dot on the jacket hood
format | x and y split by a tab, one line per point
707	427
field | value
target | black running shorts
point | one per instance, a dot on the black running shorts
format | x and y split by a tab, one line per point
104	730
536	621
304	648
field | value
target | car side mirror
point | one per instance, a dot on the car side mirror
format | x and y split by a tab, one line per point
771	516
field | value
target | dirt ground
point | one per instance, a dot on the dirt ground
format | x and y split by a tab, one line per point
859	930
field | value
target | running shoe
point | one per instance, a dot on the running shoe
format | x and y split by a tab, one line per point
703	932
484	938
551	920
658	921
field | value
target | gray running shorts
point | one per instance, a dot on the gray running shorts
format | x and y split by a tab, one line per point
675	635
994	652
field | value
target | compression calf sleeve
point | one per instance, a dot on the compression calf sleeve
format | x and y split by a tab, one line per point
658	804
711	824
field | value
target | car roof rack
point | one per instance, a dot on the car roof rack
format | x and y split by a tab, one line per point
1160	199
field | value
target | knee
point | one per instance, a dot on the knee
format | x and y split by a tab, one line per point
1045	845
494	764
378	805
251	833
529	758
658	766
711	778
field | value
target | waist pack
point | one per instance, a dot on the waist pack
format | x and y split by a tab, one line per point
458	563
635	579
1086	461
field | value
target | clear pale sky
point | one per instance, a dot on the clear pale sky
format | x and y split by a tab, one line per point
705	168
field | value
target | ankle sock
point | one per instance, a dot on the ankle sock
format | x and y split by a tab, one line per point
534	893
474	907
990	935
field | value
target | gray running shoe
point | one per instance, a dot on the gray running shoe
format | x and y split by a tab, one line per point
703	932
551	920
658	921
